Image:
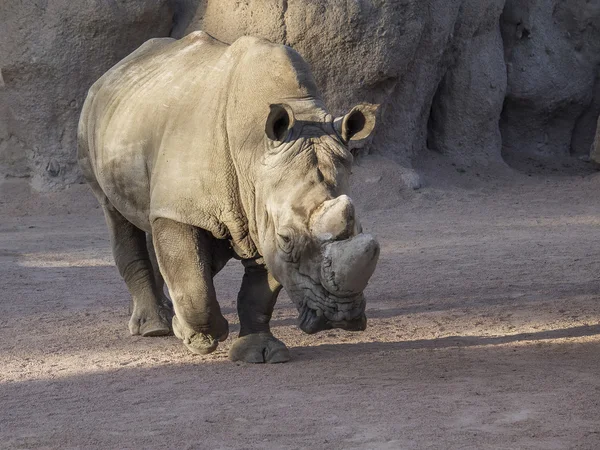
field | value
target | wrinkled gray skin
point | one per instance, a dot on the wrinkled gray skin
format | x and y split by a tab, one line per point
214	151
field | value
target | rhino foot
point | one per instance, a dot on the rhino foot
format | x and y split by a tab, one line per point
198	343
259	348
151	321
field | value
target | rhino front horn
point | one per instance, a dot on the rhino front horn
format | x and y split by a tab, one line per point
348	265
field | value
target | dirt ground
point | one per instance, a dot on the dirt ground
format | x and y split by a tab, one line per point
484	332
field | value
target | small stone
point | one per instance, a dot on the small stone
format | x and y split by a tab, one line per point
53	168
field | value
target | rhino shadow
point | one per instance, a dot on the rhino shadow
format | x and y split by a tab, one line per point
332	351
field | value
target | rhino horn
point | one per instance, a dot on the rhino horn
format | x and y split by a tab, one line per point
334	219
348	265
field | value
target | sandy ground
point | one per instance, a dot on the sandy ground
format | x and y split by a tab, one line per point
484	332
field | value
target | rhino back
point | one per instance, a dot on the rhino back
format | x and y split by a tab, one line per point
176	128
137	117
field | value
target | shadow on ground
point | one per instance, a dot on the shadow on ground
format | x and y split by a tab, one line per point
361	348
324	398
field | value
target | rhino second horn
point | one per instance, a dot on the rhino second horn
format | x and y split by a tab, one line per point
334	218
348	265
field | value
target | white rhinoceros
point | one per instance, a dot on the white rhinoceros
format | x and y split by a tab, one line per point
199	151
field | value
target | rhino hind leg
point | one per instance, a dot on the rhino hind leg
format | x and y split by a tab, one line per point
158	278
256	301
150	314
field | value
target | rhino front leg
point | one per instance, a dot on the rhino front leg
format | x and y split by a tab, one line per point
185	260
255	304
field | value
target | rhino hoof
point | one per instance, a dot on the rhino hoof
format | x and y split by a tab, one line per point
259	348
154	323
198	343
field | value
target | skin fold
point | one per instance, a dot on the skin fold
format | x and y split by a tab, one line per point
199	152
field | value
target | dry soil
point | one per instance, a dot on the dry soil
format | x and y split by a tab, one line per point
484	332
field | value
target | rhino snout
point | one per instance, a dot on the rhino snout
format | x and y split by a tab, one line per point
312	321
348	265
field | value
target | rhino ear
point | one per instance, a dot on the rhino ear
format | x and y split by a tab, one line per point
280	122
358	124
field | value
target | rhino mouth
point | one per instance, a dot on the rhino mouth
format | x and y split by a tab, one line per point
348	314
311	322
334	298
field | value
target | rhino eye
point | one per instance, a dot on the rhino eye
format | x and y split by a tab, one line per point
286	241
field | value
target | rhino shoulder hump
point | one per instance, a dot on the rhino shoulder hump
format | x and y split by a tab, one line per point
147	48
250	42
199	36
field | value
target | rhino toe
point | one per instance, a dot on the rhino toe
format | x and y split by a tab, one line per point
259	348
198	343
150	323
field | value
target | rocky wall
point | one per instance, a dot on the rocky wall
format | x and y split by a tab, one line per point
51	51
470	79
552	50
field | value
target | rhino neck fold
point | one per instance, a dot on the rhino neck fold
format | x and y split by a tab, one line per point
262	74
195	178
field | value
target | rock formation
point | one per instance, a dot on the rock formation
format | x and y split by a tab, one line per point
470	79
552	52
50	54
595	151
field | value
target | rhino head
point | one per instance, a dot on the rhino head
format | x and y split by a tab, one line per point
309	235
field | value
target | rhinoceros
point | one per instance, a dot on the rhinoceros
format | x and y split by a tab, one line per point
199	152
